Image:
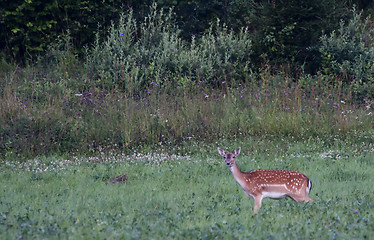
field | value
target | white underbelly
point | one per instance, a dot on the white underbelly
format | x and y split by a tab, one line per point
275	195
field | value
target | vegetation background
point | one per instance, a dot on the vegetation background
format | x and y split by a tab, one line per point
77	77
281	29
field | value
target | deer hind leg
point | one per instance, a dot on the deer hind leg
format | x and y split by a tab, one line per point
258	200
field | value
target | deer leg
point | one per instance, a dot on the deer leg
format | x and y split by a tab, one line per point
258	200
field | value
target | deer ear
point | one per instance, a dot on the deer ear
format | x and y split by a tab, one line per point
221	152
237	151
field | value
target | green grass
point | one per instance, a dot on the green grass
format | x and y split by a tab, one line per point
190	195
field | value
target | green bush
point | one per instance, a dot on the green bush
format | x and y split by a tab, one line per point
27	28
222	55
349	52
135	56
287	32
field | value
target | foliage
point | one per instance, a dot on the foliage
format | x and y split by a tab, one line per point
26	28
349	52
288	31
133	57
29	27
190	195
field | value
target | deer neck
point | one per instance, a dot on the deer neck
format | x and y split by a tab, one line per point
238	175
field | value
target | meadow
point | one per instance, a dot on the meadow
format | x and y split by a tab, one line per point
189	193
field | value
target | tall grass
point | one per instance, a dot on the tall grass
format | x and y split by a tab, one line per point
94	119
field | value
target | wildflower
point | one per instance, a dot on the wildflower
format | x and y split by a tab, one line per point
5	218
122	34
356	211
338	219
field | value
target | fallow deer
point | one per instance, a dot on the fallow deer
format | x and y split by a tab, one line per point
275	184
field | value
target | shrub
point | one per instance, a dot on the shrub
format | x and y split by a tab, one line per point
222	54
288	31
349	52
134	56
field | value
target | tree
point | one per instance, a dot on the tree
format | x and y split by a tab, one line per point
288	31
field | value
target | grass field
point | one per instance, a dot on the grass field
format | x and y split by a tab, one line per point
188	193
